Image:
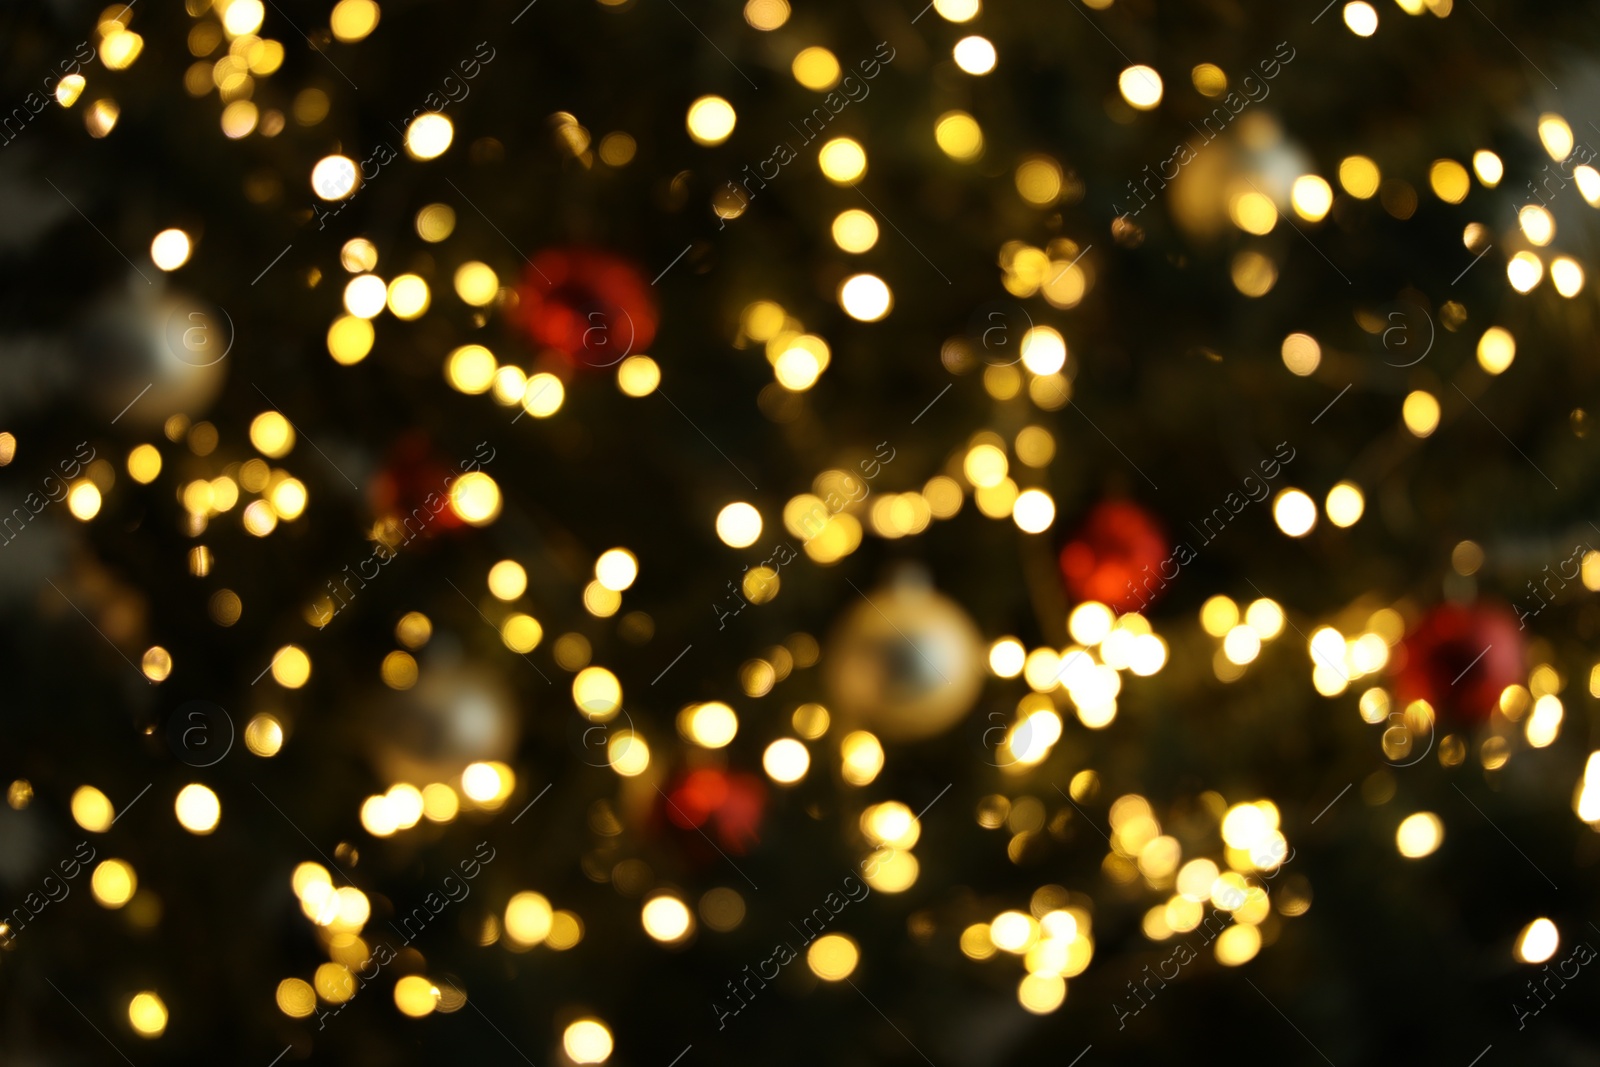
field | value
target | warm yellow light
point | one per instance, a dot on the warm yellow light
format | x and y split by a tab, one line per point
1496	349
365	296
475	498
1538	225
144	464
587	1041
240	17
959	136
1033	511
862	757
865	297
91	810
1361	17
296	998
1488	167
352	20
476	283
1301	354
1420	412
1006	657
350	340
429	135
1218	615
156	663
1238	944
170	249
1567	276
507	579
1294	512
1043	350
786	761
1241	645
408	296
291	667
83	500
146	1012
334	177
471	369
1253	212
985	466
1090	622
711	120
1311	196
616	569
843	161
528	918
271	434
974	54
816	68
766	14
198	809
958	10
797	369
1588	180
1555	135
628	754
1524	270
1359	176
71	87
415	996
1449	180
638	376
711	725
1538	941
667	919
1419	835
113	883
543	395
855	230
1041	994
1140	86
833	957
1345	504
263	735
891	823
738	525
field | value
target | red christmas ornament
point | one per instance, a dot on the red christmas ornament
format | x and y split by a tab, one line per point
415	485
732	803
1460	659
1116	557
591	306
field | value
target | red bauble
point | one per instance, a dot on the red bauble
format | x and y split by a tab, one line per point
415	485
592	307
1116	557
1460	659
731	803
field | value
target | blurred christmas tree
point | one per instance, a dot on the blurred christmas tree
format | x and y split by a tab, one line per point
624	532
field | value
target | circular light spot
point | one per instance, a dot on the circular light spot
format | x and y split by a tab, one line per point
415	996
616	569
1345	504
666	919
1311	196
833	957
1420	412
408	297
334	177
475	498
865	297
476	284
170	249
587	1041
352	20
198	809
1294	512
291	667
842	160
146	1011
365	296
1033	511
786	761
1419	835
975	55
113	883
638	376
1525	271
816	68
738	525
1301	354
350	340
1361	17
855	230
1538	941
711	120
959	136
429	135
1140	86
507	579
